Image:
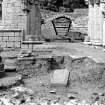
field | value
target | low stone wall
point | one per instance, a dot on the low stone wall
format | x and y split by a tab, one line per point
11	38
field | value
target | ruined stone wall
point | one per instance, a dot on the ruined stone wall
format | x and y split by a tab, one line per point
13	21
12	15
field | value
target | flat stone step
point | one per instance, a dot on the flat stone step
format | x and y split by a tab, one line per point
9	81
59	78
10	64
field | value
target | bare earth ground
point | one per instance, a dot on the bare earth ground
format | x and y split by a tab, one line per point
95	60
76	50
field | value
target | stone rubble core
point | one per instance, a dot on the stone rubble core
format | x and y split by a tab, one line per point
21	95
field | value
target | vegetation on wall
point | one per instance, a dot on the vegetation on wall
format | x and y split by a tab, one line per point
56	4
94	1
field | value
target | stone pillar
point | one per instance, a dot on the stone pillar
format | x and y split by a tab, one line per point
104	33
34	22
102	6
103	15
97	25
91	22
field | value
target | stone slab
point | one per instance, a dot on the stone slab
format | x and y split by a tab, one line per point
59	77
10	64
9	81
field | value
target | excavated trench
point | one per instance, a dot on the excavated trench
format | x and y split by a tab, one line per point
83	71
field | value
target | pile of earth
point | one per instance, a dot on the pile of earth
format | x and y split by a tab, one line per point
84	71
87	72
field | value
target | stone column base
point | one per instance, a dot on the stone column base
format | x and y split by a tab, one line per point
96	42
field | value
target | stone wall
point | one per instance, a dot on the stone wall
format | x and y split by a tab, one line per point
12	15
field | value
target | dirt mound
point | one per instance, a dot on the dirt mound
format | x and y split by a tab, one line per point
86	71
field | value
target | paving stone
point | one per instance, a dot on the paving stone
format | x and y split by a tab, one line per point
59	77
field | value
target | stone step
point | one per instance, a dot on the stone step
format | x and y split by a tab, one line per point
59	78
9	81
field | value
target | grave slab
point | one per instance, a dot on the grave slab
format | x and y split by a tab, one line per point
59	77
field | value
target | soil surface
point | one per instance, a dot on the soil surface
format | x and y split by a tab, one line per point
86	65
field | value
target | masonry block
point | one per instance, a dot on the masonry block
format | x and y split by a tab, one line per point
1	34
11	39
30	46
17	44
9	34
59	77
17	33
3	44
24	46
0	38
17	39
5	38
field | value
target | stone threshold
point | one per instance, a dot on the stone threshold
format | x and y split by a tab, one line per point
33	42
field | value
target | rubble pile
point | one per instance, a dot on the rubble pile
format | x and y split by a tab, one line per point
80	24
32	68
81	21
39	66
87	71
23	96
